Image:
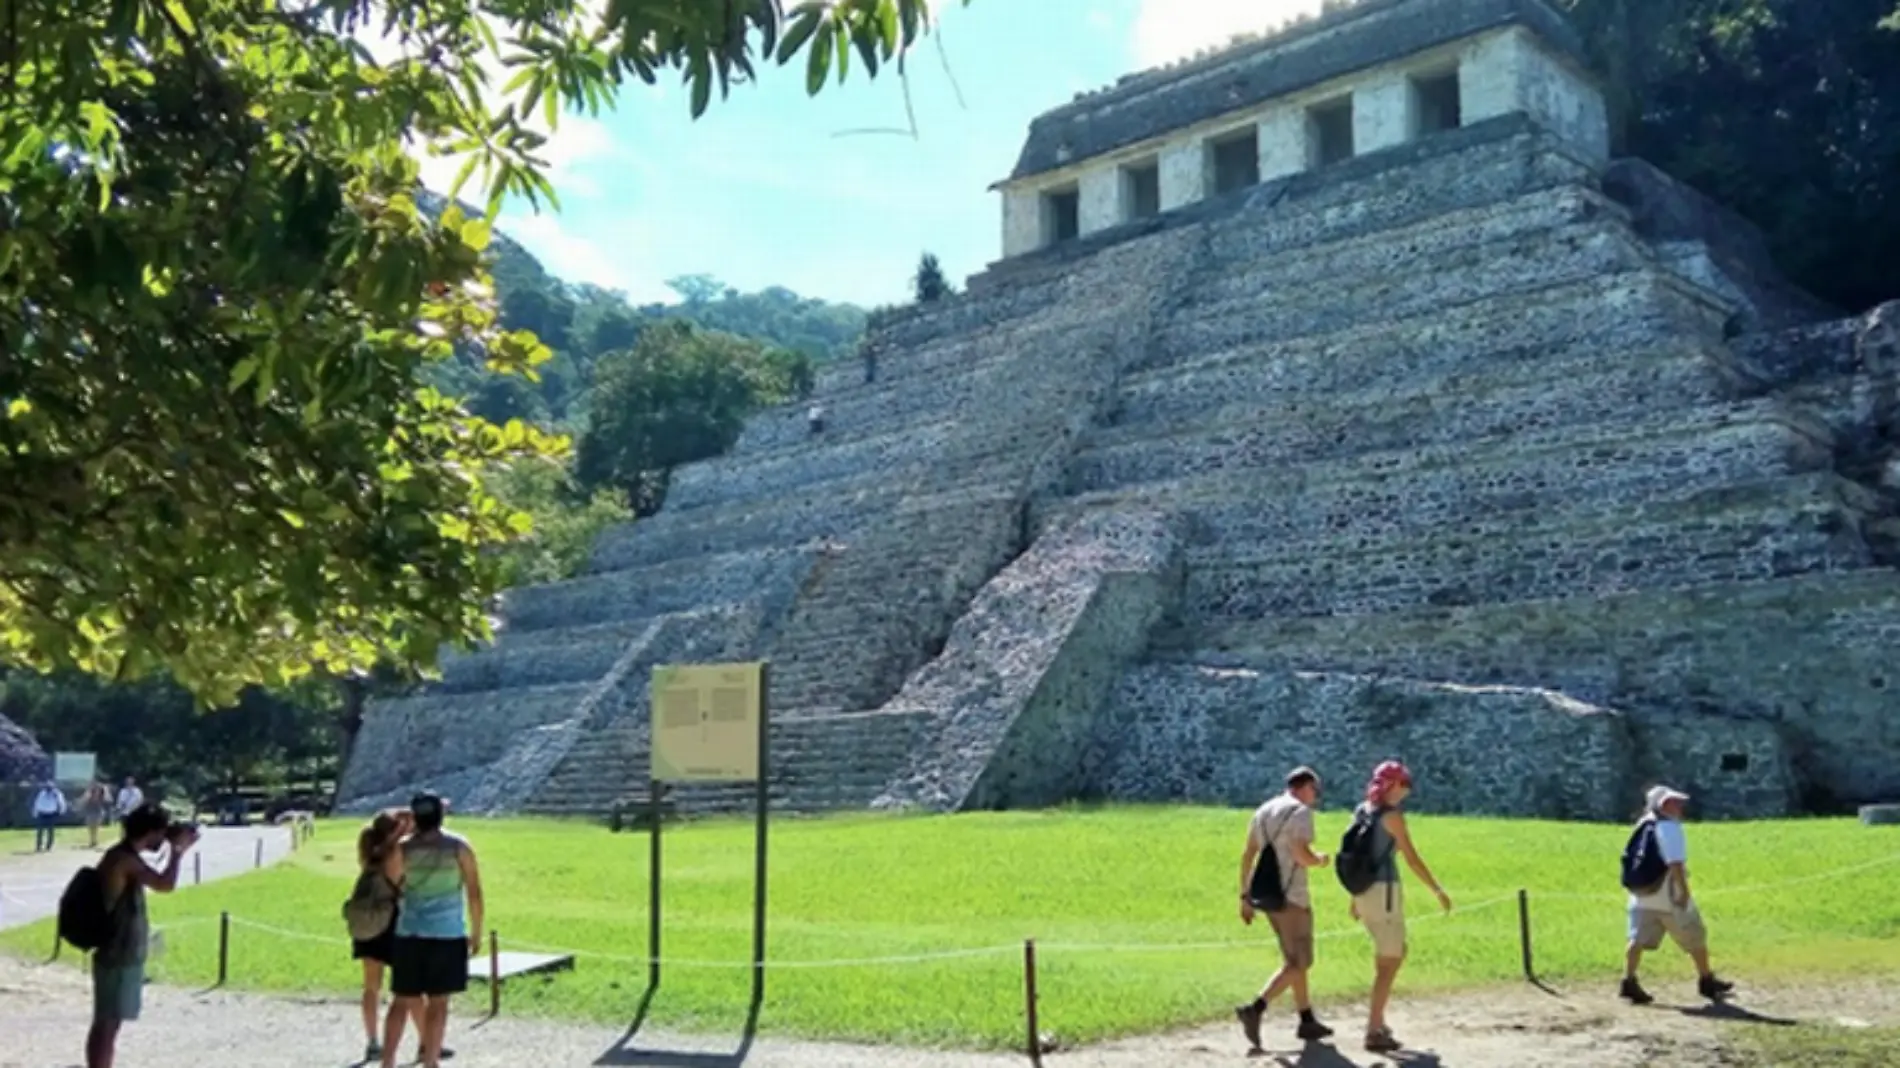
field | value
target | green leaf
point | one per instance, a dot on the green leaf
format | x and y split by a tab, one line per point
807	20
476	233
817	67
241	373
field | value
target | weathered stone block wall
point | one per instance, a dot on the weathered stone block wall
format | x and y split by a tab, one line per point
1228	736
1810	654
1026	668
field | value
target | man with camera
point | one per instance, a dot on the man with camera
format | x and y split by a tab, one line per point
118	965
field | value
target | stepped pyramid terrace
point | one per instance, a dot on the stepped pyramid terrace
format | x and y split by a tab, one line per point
1336	397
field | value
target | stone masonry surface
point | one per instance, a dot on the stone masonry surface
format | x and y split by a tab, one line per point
1465	450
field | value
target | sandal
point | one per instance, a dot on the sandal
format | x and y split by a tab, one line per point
1381	1041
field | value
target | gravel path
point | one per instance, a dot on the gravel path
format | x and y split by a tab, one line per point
30	883
1509	1027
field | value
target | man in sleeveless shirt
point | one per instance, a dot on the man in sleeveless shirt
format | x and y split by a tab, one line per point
118	966
1286	824
438	928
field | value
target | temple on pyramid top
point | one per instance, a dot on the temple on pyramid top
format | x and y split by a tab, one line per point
1363	79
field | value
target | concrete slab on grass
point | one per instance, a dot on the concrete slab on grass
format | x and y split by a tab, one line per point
514	964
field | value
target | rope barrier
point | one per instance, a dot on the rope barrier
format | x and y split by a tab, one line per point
1752	888
981	952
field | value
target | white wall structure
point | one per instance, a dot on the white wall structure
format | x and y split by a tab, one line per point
1284	143
1383	112
1022	221
1183	173
1514	71
1101	198
1503	70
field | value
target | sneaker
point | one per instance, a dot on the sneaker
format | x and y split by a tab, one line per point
1249	1016
373	1052
1710	987
1313	1031
1633	992
1381	1041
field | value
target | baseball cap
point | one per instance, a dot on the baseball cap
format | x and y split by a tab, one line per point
1662	795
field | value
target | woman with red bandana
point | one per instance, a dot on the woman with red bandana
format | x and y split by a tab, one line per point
1382	908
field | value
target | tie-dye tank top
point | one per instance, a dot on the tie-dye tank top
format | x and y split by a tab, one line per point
432	888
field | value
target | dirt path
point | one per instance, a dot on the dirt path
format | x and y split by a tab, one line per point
30	883
1508	1027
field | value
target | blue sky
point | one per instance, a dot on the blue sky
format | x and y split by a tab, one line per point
772	187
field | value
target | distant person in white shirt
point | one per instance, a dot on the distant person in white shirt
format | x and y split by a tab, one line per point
815	418
48	806
1656	873
130	797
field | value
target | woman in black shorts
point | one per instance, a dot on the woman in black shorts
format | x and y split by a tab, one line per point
377	851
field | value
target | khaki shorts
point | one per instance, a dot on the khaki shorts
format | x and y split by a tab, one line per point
1293	926
1385	925
1684	925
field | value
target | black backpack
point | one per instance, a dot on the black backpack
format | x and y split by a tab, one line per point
1355	864
1264	891
83	920
1643	866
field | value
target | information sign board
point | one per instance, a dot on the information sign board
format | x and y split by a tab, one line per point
706	720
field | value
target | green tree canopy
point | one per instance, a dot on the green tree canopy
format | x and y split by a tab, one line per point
929	281
680	394
218	299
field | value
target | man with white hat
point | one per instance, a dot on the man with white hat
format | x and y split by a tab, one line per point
1656	873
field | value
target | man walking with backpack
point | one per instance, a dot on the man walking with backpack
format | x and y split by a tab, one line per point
103	910
1656	873
1273	879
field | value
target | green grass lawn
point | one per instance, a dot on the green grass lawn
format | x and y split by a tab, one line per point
876	886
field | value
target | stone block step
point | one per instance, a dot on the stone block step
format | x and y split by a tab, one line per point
1585	448
837	513
638	594
1628	310
1467	407
815	764
1518	264
1414	247
1243	394
944	377
1428	487
1812	654
1473	166
1795	526
541	658
1003	422
445	732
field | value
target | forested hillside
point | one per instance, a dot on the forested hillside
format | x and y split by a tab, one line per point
582	323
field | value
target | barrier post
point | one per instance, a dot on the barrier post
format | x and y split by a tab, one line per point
260	853
1029	1001
1524	932
494	974
197	869
224	946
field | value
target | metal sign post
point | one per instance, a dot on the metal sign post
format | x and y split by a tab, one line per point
710	724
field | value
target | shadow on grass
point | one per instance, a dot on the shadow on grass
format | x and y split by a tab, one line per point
625	1053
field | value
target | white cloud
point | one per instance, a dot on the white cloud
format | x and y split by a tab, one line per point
1170	29
584	257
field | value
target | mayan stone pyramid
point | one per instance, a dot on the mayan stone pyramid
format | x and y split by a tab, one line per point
1336	397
